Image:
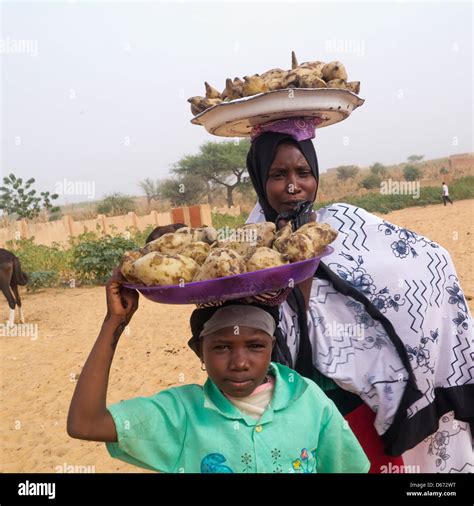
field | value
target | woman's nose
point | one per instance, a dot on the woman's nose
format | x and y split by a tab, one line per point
293	186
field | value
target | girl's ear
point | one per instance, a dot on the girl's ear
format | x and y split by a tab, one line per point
273	342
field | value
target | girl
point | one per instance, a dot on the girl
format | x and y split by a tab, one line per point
250	416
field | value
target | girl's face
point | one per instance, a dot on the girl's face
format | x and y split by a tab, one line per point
290	179
237	358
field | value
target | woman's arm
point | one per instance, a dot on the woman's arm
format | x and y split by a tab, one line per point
88	417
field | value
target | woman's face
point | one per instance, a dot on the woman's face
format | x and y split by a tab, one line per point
237	358
290	179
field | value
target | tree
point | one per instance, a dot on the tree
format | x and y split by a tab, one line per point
116	204
185	190
415	158
443	170
19	198
412	173
218	163
345	172
150	188
371	181
378	169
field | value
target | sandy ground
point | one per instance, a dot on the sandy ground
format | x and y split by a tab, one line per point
38	371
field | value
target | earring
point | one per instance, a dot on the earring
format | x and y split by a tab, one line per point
203	366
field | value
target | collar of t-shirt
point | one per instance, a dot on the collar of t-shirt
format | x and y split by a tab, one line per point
257	402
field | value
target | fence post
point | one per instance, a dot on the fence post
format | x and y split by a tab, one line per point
206	216
24	229
102	223
133	218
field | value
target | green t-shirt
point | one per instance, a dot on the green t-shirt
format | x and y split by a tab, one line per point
196	429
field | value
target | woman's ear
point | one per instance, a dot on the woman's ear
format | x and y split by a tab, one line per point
273	342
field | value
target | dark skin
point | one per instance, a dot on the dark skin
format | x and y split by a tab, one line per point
290	179
229	358
88	417
237	358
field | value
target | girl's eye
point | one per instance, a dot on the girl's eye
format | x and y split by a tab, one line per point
221	347
257	346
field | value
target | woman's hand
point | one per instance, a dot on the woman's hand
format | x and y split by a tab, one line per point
121	302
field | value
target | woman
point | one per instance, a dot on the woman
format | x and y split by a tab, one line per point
388	334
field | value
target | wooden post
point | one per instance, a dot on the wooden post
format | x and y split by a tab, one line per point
102	223
195	216
177	215
206	216
24	229
133	217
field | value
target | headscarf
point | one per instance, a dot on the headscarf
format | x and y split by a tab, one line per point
200	316
260	158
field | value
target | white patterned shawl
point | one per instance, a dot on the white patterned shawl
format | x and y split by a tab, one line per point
412	282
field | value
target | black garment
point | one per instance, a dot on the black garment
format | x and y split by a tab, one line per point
446	198
259	160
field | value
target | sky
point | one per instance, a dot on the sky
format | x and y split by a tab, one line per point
94	93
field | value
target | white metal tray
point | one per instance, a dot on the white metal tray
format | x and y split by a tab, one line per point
236	118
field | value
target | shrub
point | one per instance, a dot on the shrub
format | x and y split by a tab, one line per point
462	188
41	258
378	169
371	181
225	220
412	173
42	279
116	204
345	172
95	258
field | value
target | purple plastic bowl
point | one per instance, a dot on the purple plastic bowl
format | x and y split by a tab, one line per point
233	287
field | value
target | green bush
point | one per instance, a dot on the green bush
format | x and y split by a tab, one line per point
225	220
41	258
116	204
371	181
42	279
459	189
411	173
139	236
95	258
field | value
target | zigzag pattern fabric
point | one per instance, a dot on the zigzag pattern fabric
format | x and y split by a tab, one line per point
412	282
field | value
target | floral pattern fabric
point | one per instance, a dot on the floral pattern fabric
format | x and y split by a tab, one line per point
413	283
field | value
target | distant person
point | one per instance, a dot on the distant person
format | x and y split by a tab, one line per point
445	194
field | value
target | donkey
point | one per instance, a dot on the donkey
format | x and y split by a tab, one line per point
166	229
11	276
